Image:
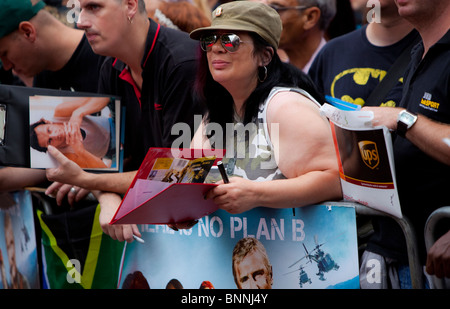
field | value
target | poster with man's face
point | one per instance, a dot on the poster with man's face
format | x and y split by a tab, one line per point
18	253
315	247
85	129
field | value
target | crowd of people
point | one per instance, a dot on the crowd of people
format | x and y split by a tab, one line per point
268	63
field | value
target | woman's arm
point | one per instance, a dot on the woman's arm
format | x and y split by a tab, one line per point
305	155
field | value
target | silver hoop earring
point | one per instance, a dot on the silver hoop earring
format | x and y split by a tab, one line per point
265	75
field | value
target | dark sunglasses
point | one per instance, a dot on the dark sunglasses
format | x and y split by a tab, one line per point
229	41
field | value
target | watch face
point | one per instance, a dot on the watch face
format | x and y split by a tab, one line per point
407	118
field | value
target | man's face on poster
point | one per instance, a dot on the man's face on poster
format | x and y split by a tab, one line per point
253	273
51	134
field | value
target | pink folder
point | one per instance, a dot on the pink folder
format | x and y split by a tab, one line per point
155	202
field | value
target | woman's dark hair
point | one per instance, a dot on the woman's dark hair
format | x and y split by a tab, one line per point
219	103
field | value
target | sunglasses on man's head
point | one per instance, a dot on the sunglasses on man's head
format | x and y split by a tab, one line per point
229	41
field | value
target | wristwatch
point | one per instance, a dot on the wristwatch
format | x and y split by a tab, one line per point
405	121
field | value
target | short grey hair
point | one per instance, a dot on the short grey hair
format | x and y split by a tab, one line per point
327	10
141	6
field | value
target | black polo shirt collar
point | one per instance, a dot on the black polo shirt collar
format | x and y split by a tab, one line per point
418	50
150	43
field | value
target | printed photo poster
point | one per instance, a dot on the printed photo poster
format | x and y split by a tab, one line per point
313	247
84	129
366	165
366	159
18	253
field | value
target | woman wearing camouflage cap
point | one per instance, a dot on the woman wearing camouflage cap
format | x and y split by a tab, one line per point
242	81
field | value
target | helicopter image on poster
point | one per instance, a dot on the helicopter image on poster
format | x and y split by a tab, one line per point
323	260
302	277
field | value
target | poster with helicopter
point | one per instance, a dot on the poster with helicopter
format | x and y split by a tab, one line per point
18	253
309	247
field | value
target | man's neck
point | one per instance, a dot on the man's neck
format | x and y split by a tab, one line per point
64	48
432	29
135	48
388	32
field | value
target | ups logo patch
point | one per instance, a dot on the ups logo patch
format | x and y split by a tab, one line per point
369	153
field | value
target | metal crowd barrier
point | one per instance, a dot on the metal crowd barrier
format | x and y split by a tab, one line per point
433	219
410	236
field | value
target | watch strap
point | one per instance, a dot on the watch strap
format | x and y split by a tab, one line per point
401	128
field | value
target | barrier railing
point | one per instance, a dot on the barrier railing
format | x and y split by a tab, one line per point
433	219
410	236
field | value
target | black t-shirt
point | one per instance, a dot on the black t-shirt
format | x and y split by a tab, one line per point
81	73
423	182
6	77
349	67
169	68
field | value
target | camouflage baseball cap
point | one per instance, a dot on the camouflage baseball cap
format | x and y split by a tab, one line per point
13	12
245	16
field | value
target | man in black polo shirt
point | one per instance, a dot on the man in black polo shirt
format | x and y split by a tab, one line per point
152	69
422	158
164	96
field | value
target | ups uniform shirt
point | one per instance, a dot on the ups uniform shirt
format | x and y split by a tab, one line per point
423	183
169	69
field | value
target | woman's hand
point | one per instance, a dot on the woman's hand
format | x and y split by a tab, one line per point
237	196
